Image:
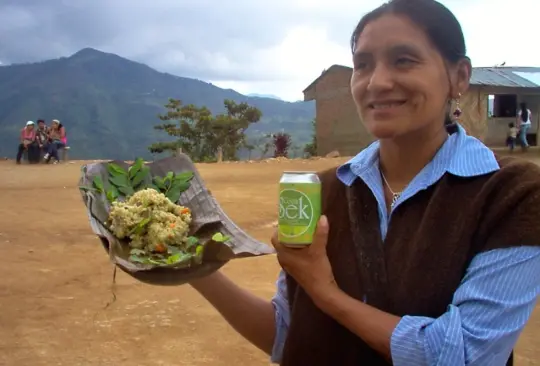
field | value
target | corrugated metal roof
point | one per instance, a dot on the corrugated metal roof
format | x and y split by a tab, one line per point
512	77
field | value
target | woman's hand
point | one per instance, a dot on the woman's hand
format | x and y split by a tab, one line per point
309	266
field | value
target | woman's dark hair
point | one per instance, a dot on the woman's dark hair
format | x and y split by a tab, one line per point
524	112
440	25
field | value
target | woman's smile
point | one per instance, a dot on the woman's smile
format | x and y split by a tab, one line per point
388	108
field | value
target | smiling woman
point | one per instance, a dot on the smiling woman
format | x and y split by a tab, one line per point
428	251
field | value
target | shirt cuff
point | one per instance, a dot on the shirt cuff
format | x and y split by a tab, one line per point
407	341
282	329
426	341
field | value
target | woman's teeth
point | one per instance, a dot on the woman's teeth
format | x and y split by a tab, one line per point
385	105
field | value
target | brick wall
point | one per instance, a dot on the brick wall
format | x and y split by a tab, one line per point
474	107
338	125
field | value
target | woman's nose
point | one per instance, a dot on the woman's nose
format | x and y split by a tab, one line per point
380	80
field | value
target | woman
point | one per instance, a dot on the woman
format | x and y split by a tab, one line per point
428	251
523	124
57	140
27	142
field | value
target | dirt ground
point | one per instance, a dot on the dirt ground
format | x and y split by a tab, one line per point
55	279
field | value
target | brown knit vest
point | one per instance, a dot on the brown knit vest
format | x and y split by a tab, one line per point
431	240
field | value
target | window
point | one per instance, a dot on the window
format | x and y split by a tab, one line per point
502	105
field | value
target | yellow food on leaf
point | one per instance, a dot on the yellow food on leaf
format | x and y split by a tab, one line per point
168	223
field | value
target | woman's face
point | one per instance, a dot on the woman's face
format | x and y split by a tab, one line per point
400	83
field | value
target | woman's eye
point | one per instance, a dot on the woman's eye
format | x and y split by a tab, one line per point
360	65
404	61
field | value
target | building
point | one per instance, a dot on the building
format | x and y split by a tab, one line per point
489	105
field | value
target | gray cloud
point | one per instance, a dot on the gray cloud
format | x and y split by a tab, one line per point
203	38
206	39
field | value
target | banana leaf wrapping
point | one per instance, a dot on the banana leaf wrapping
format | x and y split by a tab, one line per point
207	218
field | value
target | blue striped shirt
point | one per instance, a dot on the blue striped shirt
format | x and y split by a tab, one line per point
495	298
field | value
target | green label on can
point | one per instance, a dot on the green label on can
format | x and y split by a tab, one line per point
299	211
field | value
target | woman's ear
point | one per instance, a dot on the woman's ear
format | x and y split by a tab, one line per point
463	72
459	75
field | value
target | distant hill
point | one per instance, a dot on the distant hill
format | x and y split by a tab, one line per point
264	96
109	104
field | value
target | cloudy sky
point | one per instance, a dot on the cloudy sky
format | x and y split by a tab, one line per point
268	47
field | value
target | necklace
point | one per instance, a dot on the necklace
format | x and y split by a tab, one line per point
395	195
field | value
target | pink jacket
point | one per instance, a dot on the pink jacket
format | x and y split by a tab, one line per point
27	134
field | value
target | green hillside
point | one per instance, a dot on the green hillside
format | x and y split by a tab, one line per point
109	104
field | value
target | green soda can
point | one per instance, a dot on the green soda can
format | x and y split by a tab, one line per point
299	208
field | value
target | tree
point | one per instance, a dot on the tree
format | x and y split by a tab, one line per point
282	142
263	144
229	128
192	127
296	151
249	147
311	148
200	134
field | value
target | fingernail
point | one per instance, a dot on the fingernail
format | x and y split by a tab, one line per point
323	221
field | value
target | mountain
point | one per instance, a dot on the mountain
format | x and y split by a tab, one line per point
109	104
271	96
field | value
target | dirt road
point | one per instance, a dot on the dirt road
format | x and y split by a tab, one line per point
55	278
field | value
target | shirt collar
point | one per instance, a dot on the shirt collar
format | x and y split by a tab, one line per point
461	155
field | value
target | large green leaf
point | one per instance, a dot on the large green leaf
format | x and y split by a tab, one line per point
140	177
184	176
138	259
119	181
112	194
167	180
173	196
198	257
220	238
179	185
98	183
191	241
115	170
158	181
126	191
179	258
135	168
